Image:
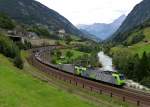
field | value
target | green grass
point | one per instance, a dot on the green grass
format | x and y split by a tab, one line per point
103	100
18	89
75	38
76	55
138	48
147	33
135	49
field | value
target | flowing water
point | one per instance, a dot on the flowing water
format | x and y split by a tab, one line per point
106	61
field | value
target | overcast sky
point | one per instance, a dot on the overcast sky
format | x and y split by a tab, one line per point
91	11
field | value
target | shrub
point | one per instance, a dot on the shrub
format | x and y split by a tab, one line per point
68	39
69	54
54	61
58	53
10	49
137	38
27	44
146	82
18	62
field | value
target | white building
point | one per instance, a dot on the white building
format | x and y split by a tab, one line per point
61	33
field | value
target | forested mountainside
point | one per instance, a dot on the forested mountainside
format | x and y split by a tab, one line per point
139	17
33	12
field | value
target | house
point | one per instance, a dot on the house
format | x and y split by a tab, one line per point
32	35
61	33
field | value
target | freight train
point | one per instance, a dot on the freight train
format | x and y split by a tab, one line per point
109	77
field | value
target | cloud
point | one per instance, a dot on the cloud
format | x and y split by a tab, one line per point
91	11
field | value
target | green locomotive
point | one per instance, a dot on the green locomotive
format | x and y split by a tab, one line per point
110	77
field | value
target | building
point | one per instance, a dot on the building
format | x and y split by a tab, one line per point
61	33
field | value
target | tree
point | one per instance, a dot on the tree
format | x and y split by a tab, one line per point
18	62
27	44
137	38
6	22
69	54
136	67
146	81
54	61
57	42
149	64
10	49
68	39
58	54
143	67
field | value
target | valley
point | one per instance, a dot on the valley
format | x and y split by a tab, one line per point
45	60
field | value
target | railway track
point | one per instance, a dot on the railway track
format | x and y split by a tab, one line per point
139	98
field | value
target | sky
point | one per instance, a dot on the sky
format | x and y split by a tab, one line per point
91	11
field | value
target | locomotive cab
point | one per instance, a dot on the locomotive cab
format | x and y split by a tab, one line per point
79	70
119	79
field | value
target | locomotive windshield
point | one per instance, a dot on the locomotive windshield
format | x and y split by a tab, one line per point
122	77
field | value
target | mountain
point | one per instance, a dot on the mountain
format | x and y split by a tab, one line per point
90	36
32	12
102	30
138	17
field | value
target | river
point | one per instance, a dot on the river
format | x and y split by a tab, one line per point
106	61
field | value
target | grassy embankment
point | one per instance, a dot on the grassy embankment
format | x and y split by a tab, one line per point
20	89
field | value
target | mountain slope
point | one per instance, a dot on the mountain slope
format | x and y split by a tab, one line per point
33	12
138	16
102	30
90	36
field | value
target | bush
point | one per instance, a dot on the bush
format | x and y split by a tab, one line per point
146	82
69	54
57	43
54	61
18	62
10	49
58	54
68	39
137	38
7	47
86	49
27	44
